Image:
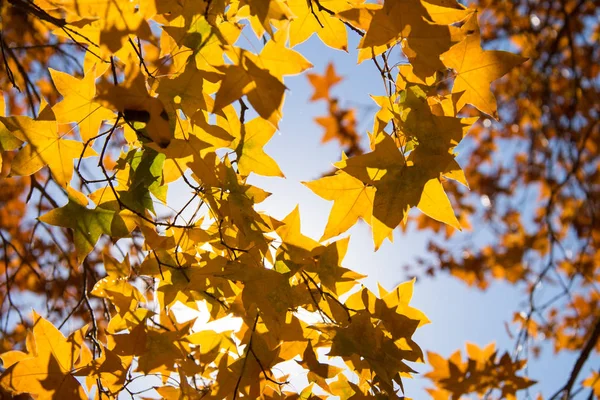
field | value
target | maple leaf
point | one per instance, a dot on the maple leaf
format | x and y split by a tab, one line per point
46	372
87	224
145	169
135	104
45	146
340	124
206	39
328	268
476	69
266	289
398	187
210	341
78	104
112	21
383	357
7	140
398	300
318	371
415	181
323	83
237	207
249	370
260	77
345	389
436	135
311	17
264	91
403	21
188	89
424	178
481	373
122	294
280	60
446	12
290	232
388	109
249	149
380	331
162	350
265	11
406	75
352	199
184	391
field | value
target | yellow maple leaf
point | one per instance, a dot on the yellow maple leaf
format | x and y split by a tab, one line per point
132	100
45	146
186	90
312	17
400	185
445	12
291	234
265	11
205	38
280	60
264	91
266	289
249	143
7	140
352	200
318	371
78	104
122	294
429	193
260	77
47	372
476	69
111	20
329	271
403	21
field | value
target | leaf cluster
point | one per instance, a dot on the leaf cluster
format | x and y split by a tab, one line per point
166	95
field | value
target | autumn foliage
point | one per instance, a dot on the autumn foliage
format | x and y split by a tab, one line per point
110	104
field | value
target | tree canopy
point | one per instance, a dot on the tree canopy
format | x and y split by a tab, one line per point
110	105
